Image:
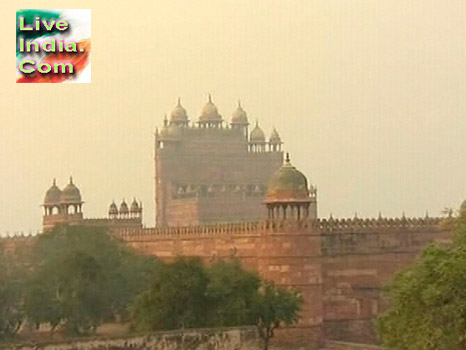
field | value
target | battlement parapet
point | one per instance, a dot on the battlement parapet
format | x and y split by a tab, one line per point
230	229
322	226
241	228
17	236
331	226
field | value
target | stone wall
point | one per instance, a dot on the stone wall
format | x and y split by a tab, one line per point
360	256
290	255
339	265
204	339
334	345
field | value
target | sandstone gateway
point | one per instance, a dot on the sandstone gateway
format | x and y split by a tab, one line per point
222	190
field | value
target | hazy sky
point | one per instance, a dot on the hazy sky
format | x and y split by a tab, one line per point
369	97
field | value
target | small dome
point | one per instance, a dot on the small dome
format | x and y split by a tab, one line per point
124	208
257	135
113	209
287	183
71	194
239	116
274	137
134	206
53	194
210	112
179	115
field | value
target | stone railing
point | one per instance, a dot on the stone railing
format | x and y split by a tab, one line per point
325	226
230	229
242	228
195	339
356	224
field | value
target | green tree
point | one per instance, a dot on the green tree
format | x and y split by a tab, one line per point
273	307
176	298
231	291
187	294
428	299
11	293
81	277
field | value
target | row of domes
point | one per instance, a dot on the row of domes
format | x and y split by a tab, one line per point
69	195
287	183
258	136
124	209
209	113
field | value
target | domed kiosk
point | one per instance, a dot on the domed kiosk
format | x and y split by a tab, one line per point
210	118
179	116
257	139
289	195
62	206
239	120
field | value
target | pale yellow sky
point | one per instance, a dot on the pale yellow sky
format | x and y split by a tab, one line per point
369	97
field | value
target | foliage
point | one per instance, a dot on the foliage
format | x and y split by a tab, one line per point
11	289
428	300
274	306
82	277
187	294
176	298
231	292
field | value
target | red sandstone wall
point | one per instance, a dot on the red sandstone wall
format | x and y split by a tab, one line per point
291	256
358	261
341	285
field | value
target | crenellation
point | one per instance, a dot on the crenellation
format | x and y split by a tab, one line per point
346	225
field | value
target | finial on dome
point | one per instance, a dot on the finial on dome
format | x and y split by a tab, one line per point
54	181
179	102
287	159
210	98
239	103
71	180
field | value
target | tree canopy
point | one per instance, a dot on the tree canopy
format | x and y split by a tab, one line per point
428	299
81	277
188	294
274	306
11	288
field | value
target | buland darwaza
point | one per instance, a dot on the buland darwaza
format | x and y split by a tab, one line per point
221	190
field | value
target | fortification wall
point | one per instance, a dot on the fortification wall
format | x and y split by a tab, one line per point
288	253
212	339
360	256
340	265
